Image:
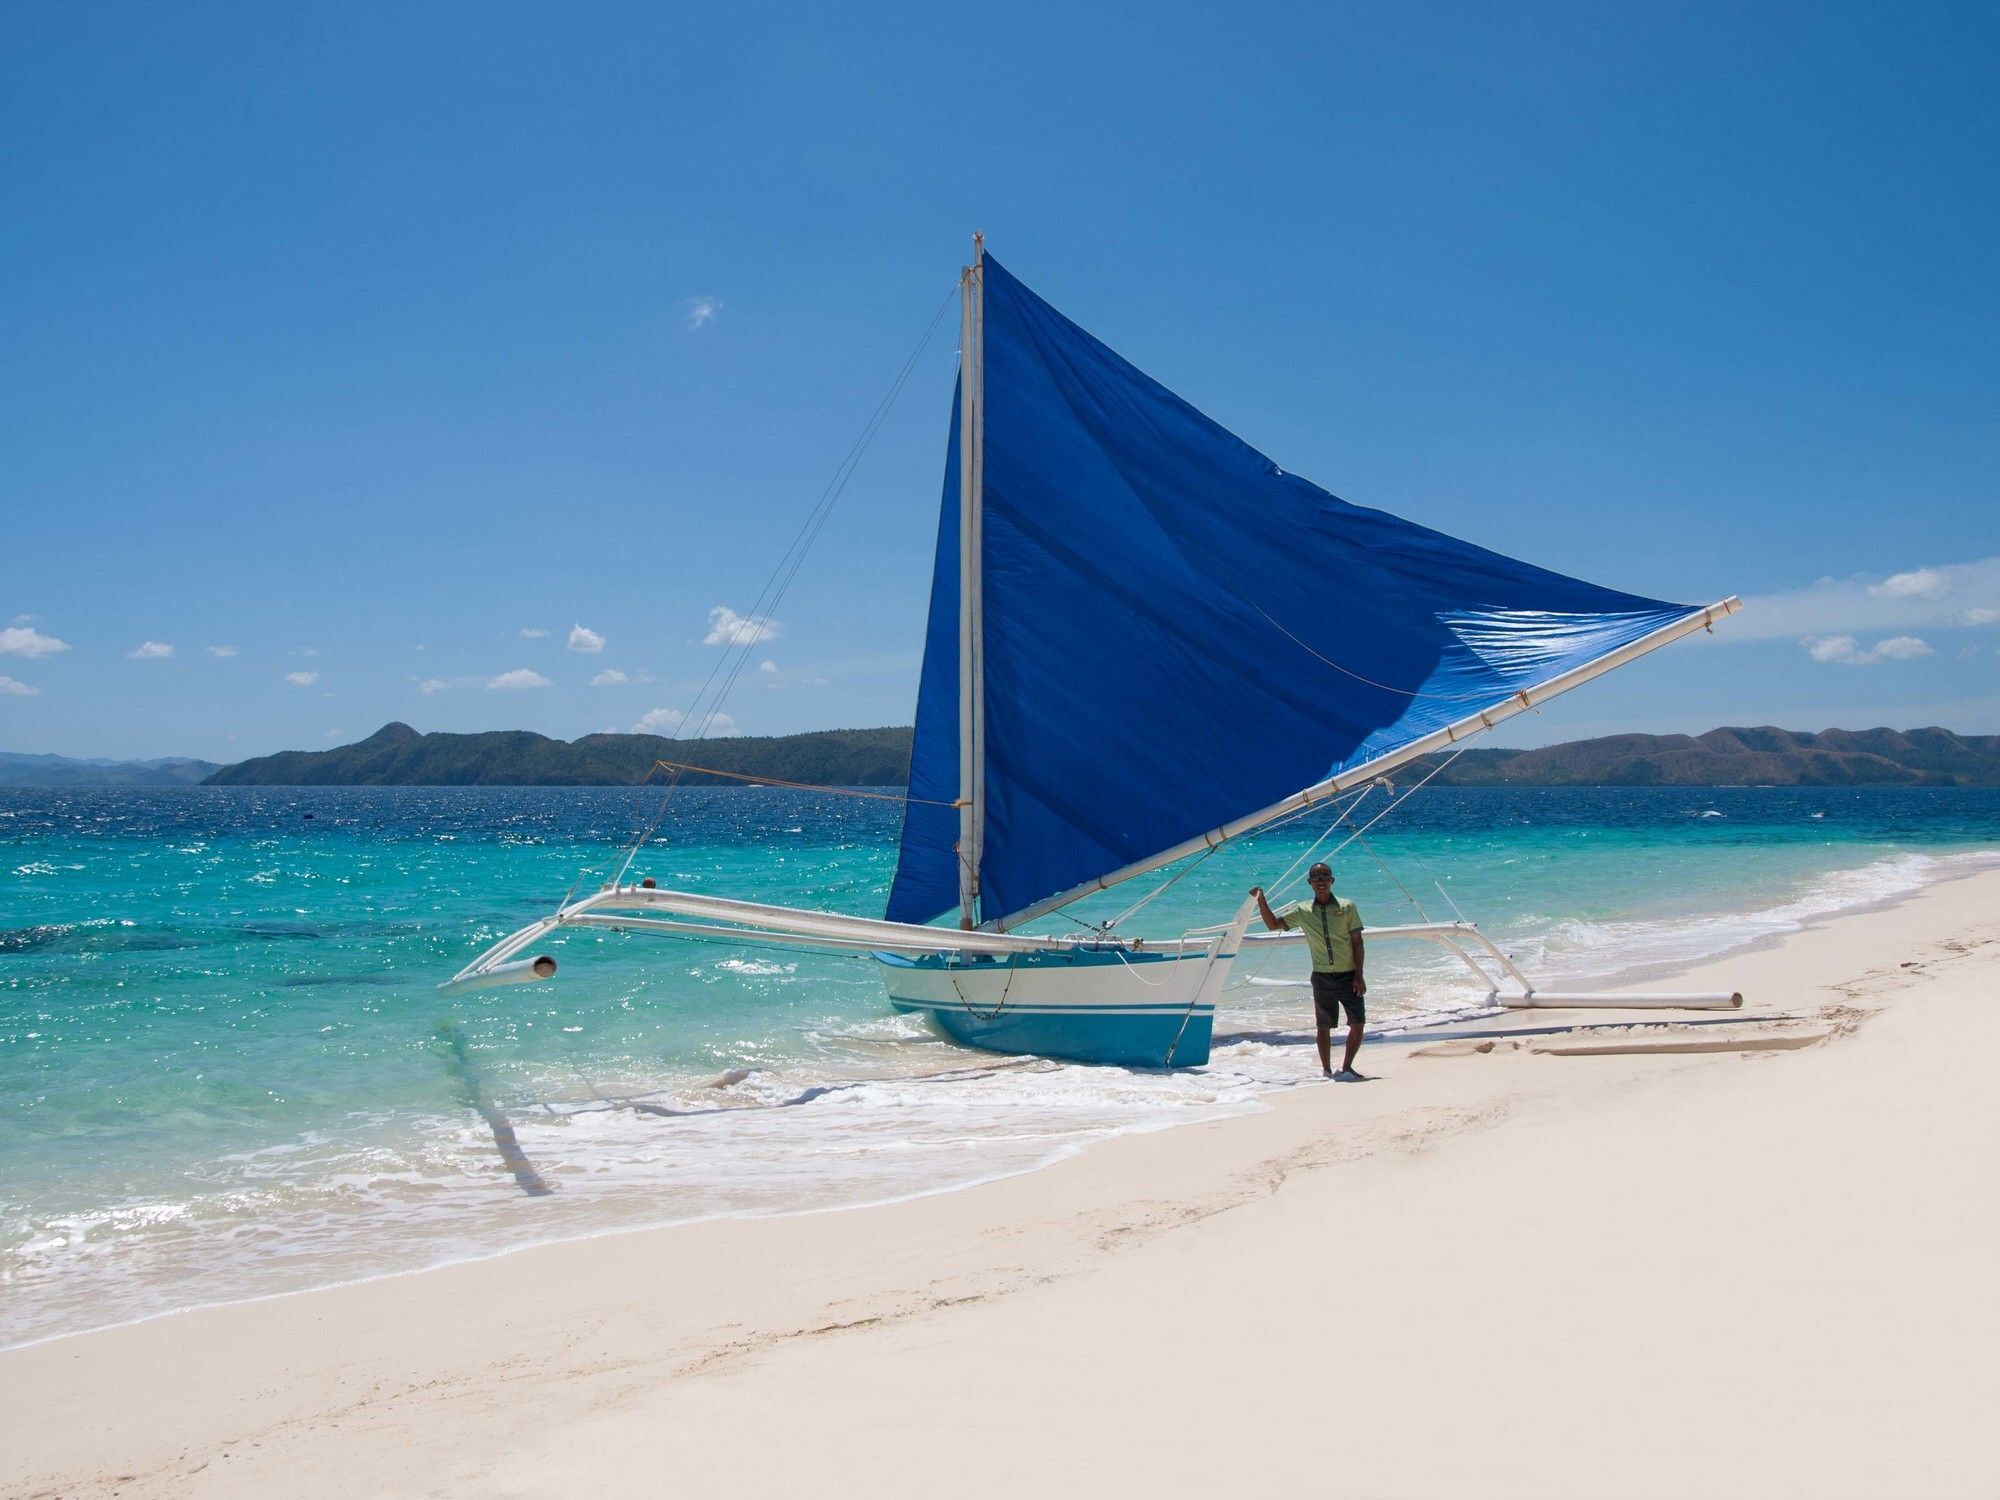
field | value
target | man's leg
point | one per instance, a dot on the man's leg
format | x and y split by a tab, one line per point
1325	1047
1353	1046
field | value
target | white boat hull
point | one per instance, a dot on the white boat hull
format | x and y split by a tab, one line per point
1083	1005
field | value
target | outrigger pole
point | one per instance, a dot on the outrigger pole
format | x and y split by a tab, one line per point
645	909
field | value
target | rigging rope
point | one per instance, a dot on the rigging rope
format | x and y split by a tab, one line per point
1341	817
1438	884
1398	802
1160	890
1369	681
803	786
1383	865
1005	990
1340	813
748	634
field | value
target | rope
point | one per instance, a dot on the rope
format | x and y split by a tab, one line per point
1340	812
801	786
1369	681
737	653
1169	883
1006	989
1384	865
1392	806
1160	890
1186	1016
1151	984
1438	884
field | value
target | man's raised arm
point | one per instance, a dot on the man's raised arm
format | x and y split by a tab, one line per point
1271	919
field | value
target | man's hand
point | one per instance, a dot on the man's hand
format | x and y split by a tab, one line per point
1264	910
1360	986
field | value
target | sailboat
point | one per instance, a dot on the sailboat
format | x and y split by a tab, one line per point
1145	640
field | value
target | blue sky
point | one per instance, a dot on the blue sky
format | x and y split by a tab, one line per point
367	357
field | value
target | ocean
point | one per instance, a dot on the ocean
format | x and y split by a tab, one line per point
226	1072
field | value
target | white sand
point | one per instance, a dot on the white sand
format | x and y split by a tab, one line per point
1534	1270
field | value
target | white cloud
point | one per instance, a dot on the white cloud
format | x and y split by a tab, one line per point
610	677
432	685
1942	596
1832	648
305	651
669	721
700	311
1981	616
728	628
1845	650
150	651
24	619
19	640
767	666
582	638
520	678
11	687
222	653
302	679
333	734
1919	583
532	633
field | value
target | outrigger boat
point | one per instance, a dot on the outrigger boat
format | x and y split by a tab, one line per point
1147	640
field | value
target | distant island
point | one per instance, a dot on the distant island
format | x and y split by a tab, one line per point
64	771
397	755
1737	757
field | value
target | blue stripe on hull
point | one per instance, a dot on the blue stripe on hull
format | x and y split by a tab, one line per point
1134	1040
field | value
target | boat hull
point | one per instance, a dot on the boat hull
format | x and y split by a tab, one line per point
1124	1009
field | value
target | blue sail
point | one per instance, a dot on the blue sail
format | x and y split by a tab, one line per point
1177	632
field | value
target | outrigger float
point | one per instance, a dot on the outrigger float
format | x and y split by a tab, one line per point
1147	640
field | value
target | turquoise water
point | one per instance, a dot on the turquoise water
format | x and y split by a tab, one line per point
225	1070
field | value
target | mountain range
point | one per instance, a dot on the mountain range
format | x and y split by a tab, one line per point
1738	757
397	755
63	771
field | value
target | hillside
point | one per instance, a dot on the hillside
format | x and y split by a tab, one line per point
65	771
1739	757
397	755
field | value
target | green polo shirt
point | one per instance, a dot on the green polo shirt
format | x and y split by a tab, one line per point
1328	929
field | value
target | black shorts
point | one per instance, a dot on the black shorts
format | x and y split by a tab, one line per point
1334	992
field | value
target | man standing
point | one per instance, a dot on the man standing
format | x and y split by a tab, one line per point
1333	933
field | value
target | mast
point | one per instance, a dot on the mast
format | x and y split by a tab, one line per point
971	611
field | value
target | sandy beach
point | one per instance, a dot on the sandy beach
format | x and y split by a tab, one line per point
1747	1259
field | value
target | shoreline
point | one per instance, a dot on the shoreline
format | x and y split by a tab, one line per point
1954	865
410	1382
